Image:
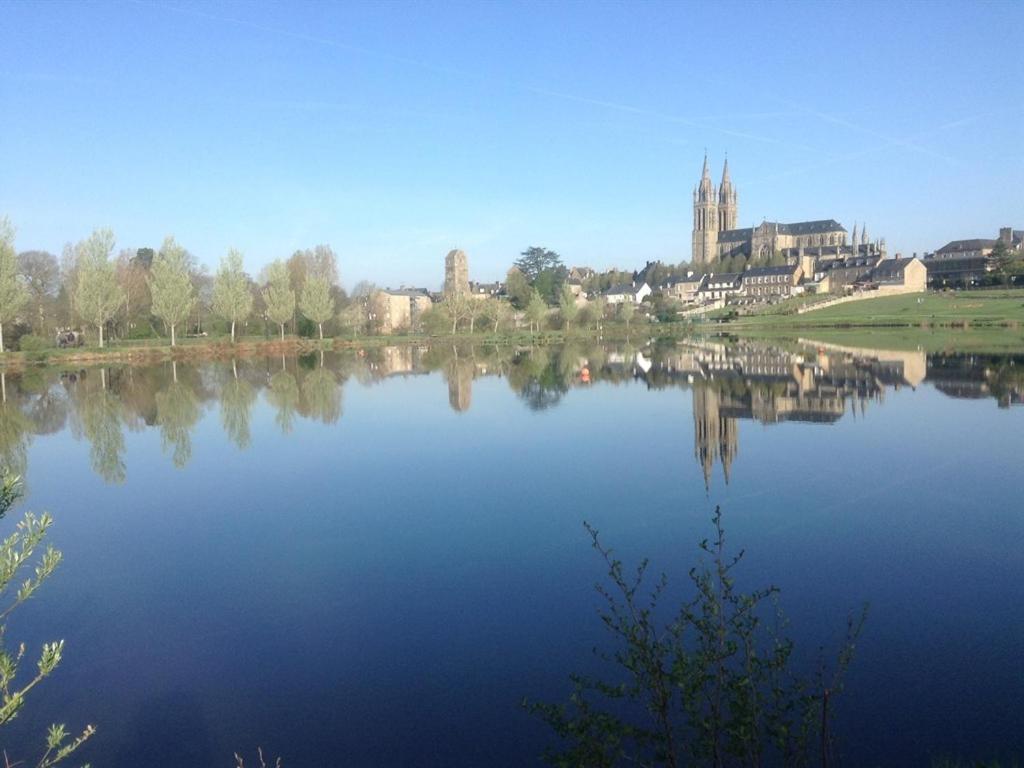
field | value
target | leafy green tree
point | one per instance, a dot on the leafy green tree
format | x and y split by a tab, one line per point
232	296
1004	260
317	304
627	310
535	260
16	553
278	295
457	306
476	308
499	313
549	284
567	306
518	288
600	310
536	311
13	294
170	285
355	316
98	295
41	273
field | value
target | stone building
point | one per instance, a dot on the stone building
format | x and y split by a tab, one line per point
397	310
717	236
771	283
966	262
456	273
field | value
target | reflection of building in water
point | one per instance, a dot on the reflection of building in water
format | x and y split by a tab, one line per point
459	371
715	437
460	385
394	360
772	385
979	377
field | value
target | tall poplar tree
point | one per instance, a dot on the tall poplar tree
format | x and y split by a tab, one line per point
13	294
170	285
98	296
567	306
232	298
278	295
317	304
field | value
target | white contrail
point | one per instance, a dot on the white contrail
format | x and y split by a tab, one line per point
701	123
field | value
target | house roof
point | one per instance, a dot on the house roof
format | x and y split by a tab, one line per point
735	235
967	245
695	280
624	289
889	268
413	292
793	228
808	227
787	269
485	287
848	262
722	277
952	265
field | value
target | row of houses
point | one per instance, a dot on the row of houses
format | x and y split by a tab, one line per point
864	270
771	284
970	262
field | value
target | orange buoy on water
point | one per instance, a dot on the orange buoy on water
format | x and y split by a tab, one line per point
585	375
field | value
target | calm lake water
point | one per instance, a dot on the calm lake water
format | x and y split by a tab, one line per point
370	559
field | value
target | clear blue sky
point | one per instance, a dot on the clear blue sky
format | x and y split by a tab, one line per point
395	132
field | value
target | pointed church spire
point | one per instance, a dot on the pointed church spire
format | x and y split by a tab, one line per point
864	235
725	172
853	239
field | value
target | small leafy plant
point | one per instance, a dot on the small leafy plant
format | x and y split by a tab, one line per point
711	684
16	554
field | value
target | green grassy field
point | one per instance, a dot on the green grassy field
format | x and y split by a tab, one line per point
995	340
976	308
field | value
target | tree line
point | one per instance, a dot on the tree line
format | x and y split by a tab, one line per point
144	293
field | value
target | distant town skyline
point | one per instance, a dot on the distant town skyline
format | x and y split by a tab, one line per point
398	132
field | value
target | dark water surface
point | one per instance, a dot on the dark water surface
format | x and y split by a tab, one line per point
370	559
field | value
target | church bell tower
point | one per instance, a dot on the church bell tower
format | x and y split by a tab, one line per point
728	202
705	220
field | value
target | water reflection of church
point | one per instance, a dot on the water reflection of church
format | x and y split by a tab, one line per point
772	385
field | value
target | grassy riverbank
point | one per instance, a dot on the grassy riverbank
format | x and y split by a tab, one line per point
987	339
954	309
991	321
213	348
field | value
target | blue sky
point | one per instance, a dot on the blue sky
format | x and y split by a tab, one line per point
395	132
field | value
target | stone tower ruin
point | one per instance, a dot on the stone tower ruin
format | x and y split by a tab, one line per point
456	273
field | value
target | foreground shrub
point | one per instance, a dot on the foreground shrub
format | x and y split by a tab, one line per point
32	343
16	552
710	686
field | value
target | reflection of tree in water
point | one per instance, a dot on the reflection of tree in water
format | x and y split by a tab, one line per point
236	399
537	376
100	412
48	412
283	394
15	433
177	411
321	393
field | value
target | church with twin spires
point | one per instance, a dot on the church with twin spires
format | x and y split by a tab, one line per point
716	234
